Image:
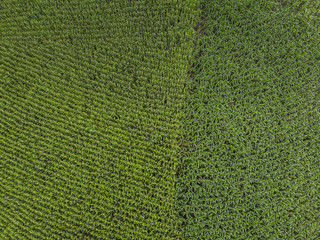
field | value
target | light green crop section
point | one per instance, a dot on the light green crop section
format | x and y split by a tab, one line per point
90	92
251	162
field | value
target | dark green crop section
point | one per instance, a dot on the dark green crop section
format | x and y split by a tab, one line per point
90	95
251	161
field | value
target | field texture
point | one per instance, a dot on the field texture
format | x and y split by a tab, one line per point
252	135
90	93
160	119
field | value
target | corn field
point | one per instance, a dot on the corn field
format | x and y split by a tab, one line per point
168	119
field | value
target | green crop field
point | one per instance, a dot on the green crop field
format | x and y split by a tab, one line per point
251	168
159	119
90	93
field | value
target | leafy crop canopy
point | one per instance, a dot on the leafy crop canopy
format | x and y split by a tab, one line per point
251	164
89	91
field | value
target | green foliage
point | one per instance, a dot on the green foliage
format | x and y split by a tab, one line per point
250	167
160	119
89	91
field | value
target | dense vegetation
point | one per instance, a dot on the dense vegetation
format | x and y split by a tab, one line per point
252	135
160	119
90	92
